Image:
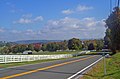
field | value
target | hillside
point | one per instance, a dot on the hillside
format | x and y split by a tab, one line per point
35	41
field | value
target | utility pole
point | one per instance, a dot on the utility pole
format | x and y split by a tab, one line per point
118	3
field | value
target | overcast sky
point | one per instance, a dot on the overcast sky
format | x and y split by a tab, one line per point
52	19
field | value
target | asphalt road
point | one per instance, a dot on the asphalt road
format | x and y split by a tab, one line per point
60	69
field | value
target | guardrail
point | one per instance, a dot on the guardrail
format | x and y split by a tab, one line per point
22	58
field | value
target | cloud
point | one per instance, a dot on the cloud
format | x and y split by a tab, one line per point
24	32
71	23
38	18
72	27
16	31
15	35
2	30
23	21
64	28
79	8
67	11
27	15
30	32
27	19
13	8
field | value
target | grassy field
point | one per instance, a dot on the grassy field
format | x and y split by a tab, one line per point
113	69
52	53
49	53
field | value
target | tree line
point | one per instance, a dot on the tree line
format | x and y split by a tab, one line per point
72	44
112	38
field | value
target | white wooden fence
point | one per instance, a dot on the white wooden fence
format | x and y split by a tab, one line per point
21	58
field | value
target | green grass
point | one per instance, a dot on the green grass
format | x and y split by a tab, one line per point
52	53
113	69
49	53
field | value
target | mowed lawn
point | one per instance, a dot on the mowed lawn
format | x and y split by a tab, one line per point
55	53
113	69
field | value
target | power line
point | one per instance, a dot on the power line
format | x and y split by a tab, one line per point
110	6
115	3
118	3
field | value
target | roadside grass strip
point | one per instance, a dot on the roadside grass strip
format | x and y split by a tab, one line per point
112	68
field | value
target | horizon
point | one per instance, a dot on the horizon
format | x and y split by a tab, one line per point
51	40
53	20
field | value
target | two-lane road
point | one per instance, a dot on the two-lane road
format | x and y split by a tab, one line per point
60	69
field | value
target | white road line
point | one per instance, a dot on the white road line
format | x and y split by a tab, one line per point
85	68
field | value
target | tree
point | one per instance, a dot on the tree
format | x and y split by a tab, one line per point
107	39
18	48
52	46
22	48
91	46
30	47
100	44
15	49
44	47
37	47
113	24
74	44
5	50
63	45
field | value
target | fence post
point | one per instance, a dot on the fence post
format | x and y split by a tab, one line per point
5	59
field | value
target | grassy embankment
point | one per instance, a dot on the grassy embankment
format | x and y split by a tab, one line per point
113	69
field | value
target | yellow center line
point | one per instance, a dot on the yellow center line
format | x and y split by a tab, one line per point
45	68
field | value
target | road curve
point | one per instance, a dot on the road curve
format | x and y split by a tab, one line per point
60	69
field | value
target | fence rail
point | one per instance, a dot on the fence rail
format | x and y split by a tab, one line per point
22	58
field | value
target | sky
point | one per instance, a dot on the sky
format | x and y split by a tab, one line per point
53	19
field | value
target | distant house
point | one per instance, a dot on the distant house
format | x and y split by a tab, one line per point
37	45
27	52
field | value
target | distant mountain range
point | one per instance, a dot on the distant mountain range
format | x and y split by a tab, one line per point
35	41
42	41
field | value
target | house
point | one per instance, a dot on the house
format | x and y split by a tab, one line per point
27	52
